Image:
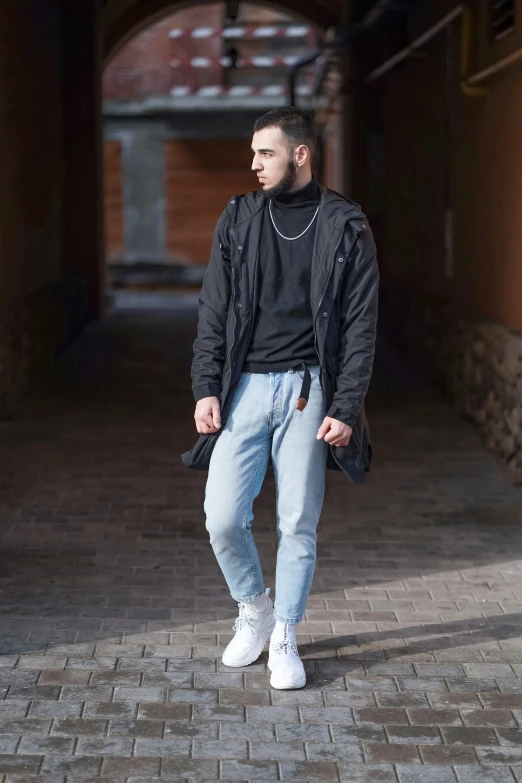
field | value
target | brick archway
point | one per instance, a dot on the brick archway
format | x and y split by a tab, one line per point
123	19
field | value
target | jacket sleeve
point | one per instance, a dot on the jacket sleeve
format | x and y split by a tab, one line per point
358	329
213	303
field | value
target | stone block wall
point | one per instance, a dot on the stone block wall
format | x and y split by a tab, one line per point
477	363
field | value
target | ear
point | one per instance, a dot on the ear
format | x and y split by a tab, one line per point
302	155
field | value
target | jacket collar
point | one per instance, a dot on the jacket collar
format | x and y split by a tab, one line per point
334	208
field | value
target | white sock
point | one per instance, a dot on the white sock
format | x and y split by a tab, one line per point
283	632
258	604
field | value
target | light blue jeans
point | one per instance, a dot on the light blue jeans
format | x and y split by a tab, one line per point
264	421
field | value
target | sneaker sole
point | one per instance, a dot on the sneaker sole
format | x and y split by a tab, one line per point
256	651
300	682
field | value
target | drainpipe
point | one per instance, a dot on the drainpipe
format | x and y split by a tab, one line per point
292	75
498	66
463	10
369	19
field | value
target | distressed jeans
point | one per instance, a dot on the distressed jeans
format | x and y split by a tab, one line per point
264	421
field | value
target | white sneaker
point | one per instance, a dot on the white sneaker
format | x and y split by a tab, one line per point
285	664
252	627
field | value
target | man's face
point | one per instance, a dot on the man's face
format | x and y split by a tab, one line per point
272	162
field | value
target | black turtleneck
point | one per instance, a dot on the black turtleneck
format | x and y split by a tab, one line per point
283	328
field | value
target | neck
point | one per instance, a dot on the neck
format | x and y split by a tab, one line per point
302	180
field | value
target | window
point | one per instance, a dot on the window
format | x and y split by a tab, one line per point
502	18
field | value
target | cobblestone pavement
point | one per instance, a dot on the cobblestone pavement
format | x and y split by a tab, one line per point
113	613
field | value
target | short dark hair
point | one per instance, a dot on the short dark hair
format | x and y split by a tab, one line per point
294	123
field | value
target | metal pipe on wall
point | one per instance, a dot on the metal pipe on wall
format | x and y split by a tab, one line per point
466	84
368	20
414	45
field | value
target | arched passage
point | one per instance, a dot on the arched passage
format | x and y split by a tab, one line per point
177	127
123	19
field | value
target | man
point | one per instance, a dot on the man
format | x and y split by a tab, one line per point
282	363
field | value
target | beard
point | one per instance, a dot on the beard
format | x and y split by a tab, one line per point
285	184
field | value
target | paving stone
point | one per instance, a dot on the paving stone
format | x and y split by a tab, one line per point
323	715
13	708
431	717
135	728
247	731
164	712
141	694
499	755
381	715
249	770
336	752
456	700
104	746
495	670
166	746
402	699
192	729
366	773
110	709
123	767
309	770
391	754
431	774
71	766
448	754
67	727
349	699
357	733
286	732
469	735
487	717
414	735
473	774
226	712
288	715
46	745
219	749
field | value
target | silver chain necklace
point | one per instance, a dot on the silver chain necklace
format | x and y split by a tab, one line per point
282	235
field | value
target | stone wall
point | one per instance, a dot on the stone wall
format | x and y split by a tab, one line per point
32	334
477	363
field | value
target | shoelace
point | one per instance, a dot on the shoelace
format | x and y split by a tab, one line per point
285	647
243	620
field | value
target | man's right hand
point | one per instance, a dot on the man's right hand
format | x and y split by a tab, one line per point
208	415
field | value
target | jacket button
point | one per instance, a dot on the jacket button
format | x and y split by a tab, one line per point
364	225
340	260
233	201
240	247
239	305
325	314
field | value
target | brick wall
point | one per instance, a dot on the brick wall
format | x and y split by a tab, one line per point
202	174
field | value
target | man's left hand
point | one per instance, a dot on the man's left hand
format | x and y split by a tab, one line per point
334	432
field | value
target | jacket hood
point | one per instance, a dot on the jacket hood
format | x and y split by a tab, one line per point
334	208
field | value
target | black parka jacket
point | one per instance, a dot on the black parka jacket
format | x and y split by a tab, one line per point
343	296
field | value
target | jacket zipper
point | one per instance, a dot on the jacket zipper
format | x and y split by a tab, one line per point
319	308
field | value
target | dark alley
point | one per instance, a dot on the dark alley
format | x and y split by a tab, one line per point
299	224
